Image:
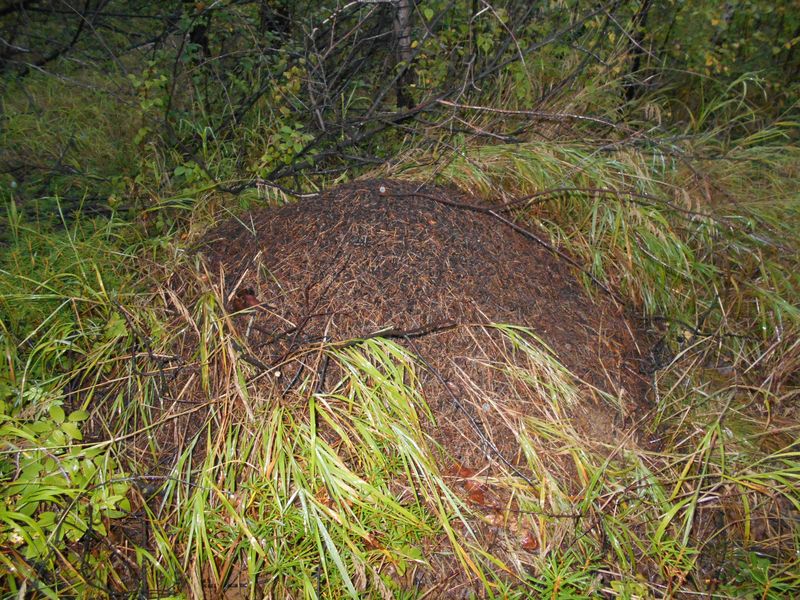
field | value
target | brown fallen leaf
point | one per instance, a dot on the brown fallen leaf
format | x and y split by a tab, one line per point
371	541
472	486
477	497
323	497
250	300
529	542
464	472
245	298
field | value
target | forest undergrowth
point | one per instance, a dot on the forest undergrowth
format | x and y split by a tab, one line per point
114	335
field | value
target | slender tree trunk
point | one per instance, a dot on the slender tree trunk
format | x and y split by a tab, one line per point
402	34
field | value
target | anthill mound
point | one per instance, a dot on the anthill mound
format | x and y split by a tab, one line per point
404	258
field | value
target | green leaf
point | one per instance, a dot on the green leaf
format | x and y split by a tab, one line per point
88	468
667	519
72	430
57	413
41	426
46	519
78	415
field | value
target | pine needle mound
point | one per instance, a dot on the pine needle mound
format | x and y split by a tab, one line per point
412	262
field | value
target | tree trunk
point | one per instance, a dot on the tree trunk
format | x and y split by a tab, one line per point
403	55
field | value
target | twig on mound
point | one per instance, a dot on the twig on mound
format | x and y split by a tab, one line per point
494	211
532	236
247	357
631	196
389	333
393	332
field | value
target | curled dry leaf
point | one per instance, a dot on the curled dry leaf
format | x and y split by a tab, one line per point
250	300
529	542
245	298
474	486
477	497
371	541
323	497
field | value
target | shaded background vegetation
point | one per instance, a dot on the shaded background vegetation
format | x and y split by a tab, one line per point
104	99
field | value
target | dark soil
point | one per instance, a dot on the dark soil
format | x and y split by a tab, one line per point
397	257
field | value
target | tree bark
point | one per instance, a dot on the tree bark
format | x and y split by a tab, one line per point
403	56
